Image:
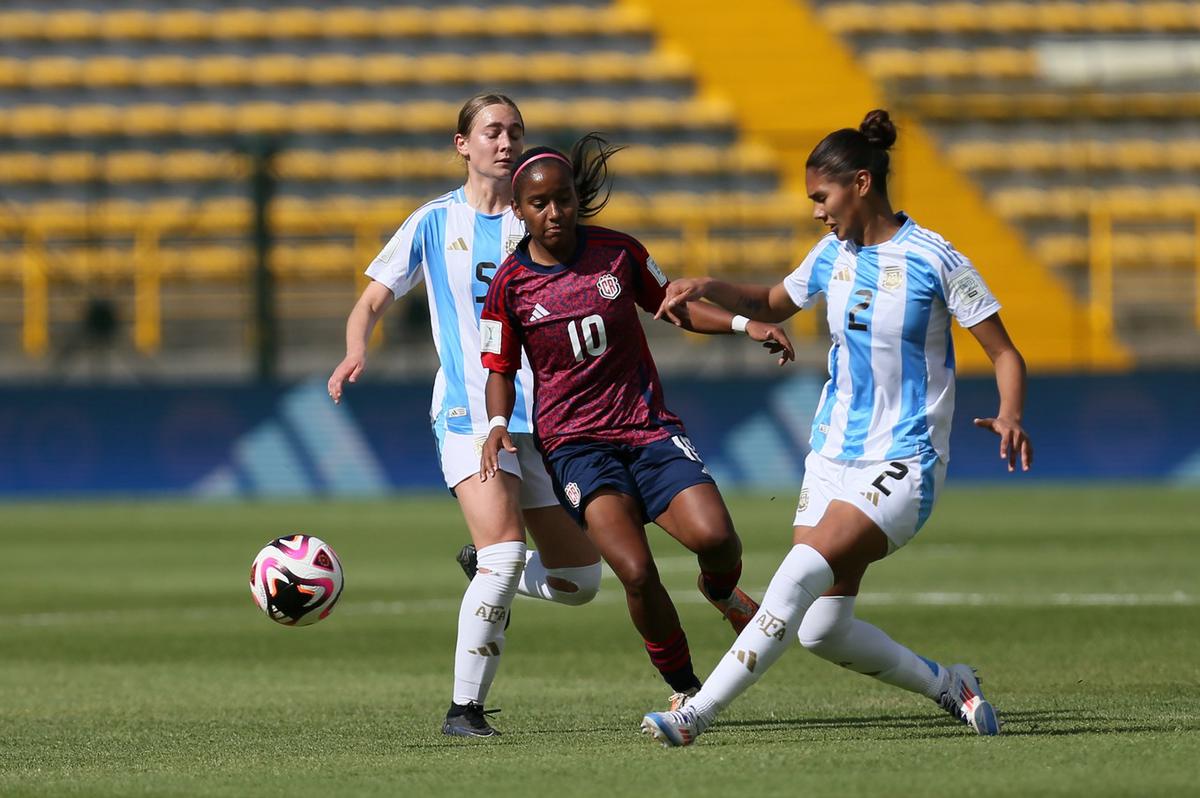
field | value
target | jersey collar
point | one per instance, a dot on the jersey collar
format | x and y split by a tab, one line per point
521	253
906	227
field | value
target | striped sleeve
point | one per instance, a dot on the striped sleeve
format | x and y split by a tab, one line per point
811	277
398	264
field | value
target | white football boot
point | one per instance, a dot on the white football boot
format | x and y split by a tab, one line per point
964	700
674	729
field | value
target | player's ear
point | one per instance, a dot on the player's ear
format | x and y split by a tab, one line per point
516	206
460	144
862	182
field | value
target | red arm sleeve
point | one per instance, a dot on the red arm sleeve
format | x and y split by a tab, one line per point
651	282
499	333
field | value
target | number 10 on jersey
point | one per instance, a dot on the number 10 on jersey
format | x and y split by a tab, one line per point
587	337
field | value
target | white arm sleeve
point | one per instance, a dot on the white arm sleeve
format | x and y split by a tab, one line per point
803	285
967	296
398	264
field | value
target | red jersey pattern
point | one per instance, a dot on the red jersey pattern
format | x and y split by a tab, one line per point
594	378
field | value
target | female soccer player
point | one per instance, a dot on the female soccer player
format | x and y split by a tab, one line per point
880	438
454	242
620	458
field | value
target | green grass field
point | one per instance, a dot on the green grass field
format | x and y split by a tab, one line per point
134	662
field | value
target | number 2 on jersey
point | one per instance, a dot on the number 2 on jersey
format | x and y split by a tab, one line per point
867	296
589	336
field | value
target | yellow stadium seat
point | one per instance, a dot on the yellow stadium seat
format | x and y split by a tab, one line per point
277	69
12	72
332	69
389	68
112	70
183	24
166	70
241	23
132	166
53	72
261	117
23	167
404	21
71	25
22	24
72	167
95	120
150	119
452	68
127	23
221	70
36	120
318	116
203	119
296	23
349	22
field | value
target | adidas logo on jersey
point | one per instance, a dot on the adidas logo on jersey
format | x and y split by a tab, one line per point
457	245
539	313
872	496
843	274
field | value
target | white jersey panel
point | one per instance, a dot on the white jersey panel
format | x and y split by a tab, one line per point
891	388
456	250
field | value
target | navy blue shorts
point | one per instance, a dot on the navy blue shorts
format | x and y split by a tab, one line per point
654	473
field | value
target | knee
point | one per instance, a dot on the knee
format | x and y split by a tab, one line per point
826	623
716	539
574	586
637	576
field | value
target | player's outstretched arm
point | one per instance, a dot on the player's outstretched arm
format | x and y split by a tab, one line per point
1010	380
500	393
709	319
766	303
375	299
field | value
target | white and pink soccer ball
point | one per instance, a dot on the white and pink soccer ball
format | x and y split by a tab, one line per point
296	580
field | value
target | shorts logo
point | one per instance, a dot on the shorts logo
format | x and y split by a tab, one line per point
803	505
572	491
456	412
480	440
892	278
770	625
610	287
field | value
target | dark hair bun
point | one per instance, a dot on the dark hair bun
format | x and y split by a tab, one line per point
879	129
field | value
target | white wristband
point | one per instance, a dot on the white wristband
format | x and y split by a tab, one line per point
498	421
739	323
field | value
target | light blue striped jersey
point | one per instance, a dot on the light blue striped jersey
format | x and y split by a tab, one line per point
891	368
456	250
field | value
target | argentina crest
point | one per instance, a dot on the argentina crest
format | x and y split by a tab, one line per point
610	286
893	276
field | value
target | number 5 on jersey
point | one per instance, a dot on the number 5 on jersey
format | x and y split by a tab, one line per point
588	335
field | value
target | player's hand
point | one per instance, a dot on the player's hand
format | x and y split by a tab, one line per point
346	371
679	293
773	338
1013	441
489	459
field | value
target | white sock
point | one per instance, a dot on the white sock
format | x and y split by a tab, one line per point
534	584
481	620
802	577
831	631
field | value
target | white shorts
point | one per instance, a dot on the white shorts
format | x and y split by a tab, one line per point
460	453
898	495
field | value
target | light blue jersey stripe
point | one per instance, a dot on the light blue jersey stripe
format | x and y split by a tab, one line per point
860	307
929	462
828	401
911	432
451	343
823	269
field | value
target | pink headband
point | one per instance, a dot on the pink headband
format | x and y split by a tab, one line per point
539	157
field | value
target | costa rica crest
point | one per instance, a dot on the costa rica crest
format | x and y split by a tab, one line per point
609	286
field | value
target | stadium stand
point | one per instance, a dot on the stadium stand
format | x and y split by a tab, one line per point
125	137
1077	120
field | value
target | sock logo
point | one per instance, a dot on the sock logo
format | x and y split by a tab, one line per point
747	658
490	650
490	612
770	625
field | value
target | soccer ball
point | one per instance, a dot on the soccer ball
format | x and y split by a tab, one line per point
296	580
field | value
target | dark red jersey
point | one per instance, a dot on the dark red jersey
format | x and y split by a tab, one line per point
579	325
